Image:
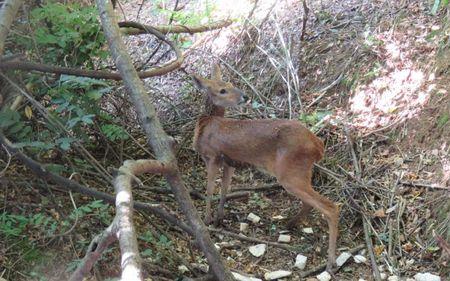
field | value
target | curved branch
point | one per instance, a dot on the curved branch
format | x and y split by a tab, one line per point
134	28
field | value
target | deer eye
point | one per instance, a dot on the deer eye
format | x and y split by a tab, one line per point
223	91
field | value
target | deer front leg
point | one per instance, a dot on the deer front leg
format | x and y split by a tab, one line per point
228	172
212	168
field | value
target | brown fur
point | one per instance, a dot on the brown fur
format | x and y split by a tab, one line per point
283	148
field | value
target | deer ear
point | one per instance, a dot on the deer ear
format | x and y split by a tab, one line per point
216	72
199	81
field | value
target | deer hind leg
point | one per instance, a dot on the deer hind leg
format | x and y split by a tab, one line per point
300	186
212	169
226	180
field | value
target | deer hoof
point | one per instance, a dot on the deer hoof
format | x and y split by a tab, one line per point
292	224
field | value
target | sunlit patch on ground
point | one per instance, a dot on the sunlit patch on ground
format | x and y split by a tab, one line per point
398	92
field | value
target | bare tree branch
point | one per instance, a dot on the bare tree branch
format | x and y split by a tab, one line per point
15	64
160	142
95	250
122	227
37	168
135	28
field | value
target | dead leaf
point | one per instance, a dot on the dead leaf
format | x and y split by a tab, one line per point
28	112
378	249
379	213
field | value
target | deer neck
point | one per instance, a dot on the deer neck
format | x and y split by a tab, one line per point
212	109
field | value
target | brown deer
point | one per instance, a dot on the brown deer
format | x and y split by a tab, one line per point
283	148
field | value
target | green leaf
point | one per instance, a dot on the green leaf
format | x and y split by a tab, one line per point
147	253
56	168
64	143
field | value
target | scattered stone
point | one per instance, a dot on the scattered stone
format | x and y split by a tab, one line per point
324	276
359	259
426	277
253	218
257	250
300	261
308	230
284	238
278	218
383	275
342	258
360	279
241	277
393	278
183	269
277	274
243	227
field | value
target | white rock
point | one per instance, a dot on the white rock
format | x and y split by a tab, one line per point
253	218
426	277
359	259
277	274
300	261
324	276
383	275
278	217
342	258
243	227
308	230
410	279
183	269
257	250
360	279
240	277
393	278
284	238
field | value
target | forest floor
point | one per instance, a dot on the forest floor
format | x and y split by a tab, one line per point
371	79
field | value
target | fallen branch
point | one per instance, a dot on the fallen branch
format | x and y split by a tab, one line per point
161	143
70	185
135	28
373	261
122	226
256	240
94	251
418	184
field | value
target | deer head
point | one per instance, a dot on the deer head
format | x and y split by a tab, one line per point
221	93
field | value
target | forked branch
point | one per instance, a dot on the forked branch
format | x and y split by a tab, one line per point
122	227
160	142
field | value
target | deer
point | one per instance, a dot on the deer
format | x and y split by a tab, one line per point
282	148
